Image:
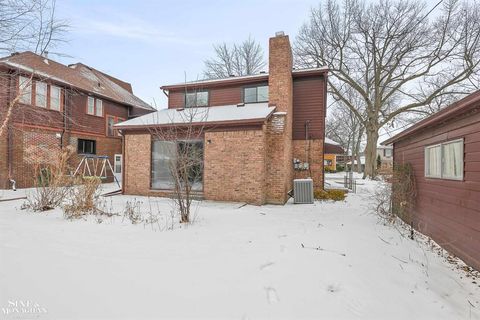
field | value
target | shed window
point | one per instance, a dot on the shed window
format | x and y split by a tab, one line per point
445	160
255	94
196	99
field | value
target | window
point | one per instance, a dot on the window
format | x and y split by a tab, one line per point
40	94
196	99
110	124
255	94
99	108
55	98
445	160
452	156
25	86
387	153
91	105
165	155
111	121
86	146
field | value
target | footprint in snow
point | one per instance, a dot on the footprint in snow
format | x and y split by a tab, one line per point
271	295
266	266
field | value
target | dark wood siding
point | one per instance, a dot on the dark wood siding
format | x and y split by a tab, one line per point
218	96
309	105
448	210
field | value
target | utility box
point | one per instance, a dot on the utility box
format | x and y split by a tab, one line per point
303	190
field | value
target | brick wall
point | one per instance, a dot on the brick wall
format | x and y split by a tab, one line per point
32	148
137	161
279	129
234	167
310	151
3	161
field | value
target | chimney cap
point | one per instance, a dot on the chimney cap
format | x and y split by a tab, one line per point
279	34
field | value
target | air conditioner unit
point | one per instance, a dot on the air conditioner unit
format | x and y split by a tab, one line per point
303	191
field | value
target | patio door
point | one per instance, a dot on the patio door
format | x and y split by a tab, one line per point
117	167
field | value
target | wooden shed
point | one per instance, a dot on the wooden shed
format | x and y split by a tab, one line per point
444	151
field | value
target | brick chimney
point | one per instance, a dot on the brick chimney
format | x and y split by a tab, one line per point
279	128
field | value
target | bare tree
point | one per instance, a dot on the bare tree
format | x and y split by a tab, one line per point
25	25
239	60
29	25
397	56
178	148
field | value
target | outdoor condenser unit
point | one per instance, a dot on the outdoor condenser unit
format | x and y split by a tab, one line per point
303	190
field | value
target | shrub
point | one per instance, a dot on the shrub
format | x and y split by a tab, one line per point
51	182
331	194
83	198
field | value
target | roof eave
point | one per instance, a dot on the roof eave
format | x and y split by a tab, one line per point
454	109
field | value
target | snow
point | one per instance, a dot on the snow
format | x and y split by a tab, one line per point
250	111
330	141
325	260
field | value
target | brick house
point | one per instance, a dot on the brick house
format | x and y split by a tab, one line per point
262	131
59	105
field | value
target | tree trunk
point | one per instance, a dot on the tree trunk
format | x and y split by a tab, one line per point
371	153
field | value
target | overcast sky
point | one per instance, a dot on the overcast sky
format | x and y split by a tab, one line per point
152	43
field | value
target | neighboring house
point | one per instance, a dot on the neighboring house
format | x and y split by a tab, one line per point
444	151
332	151
355	165
386	156
262	131
63	105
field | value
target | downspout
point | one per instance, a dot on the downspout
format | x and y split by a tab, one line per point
9	136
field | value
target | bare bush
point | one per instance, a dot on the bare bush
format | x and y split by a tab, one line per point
52	184
133	212
83	199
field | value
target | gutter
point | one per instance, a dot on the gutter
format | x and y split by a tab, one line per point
459	107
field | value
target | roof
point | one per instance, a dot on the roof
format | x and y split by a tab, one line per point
462	106
78	76
332	147
229	114
243	79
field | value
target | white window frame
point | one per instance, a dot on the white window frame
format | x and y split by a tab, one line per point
442	160
91	99
37	95
98	106
53	98
25	87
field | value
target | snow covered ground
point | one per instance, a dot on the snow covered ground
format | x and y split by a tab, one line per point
326	260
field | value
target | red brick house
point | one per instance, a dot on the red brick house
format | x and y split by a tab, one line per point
60	105
444	151
262	131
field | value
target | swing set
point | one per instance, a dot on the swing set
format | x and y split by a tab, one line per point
95	166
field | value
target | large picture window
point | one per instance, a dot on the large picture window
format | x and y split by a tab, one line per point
196	99
167	156
255	94
445	160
